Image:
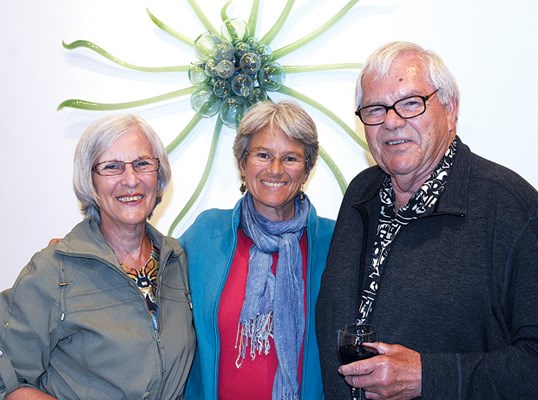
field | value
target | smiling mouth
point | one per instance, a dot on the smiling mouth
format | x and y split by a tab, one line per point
274	184
129	199
395	142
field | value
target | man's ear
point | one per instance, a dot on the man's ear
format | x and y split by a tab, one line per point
452	114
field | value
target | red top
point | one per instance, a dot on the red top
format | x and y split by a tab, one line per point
255	377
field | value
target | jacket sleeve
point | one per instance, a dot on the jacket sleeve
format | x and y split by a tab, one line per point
509	370
28	311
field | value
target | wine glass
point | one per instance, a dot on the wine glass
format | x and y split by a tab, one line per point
350	347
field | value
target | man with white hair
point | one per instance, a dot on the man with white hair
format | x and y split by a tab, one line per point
435	246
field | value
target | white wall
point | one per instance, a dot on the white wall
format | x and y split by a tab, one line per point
489	45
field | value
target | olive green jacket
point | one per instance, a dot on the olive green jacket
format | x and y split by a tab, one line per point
76	326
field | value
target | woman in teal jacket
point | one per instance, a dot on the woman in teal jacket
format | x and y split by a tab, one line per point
255	271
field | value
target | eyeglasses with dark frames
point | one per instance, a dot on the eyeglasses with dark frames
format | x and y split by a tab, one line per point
262	158
406	108
115	167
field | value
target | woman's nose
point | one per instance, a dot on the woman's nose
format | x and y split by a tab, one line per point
275	166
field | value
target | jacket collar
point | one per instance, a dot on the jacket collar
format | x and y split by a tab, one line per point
453	200
86	240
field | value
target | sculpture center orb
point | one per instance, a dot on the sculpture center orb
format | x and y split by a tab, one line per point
233	72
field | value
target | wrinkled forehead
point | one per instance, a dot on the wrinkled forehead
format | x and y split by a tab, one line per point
400	67
405	76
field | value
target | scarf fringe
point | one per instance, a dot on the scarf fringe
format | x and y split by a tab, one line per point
290	397
256	333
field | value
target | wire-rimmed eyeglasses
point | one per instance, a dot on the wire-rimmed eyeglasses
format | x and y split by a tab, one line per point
406	108
115	167
264	159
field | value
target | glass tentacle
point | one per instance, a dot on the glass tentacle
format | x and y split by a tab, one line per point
224	10
327	112
203	180
226	20
92	46
161	25
334	169
313	35
202	17
253	18
270	35
291	69
88	105
184	133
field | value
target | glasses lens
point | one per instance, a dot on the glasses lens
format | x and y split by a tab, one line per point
372	115
109	168
142	166
264	159
146	165
260	158
410	107
292	161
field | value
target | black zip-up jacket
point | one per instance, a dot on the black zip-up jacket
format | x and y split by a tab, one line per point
459	286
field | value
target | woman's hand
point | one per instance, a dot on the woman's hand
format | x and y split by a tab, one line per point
394	374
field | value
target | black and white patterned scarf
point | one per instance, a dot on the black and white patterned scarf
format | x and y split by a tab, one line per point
390	223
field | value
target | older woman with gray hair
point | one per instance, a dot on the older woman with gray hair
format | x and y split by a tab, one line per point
103	313
255	271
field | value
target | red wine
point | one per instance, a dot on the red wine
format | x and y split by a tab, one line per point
350	353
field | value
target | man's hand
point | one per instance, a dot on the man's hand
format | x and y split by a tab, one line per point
28	393
394	374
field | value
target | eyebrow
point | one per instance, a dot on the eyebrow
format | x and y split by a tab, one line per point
380	103
272	152
134	159
259	148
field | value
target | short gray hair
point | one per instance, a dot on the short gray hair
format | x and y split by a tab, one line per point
285	116
380	61
95	140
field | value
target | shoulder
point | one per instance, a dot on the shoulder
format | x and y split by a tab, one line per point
484	169
324	226
480	188
326	223
213	215
365	180
500	184
41	274
320	231
210	223
209	219
363	187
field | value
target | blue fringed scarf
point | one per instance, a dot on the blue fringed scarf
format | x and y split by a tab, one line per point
274	306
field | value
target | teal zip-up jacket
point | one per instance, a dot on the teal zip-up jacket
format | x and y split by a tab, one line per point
210	244
77	327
